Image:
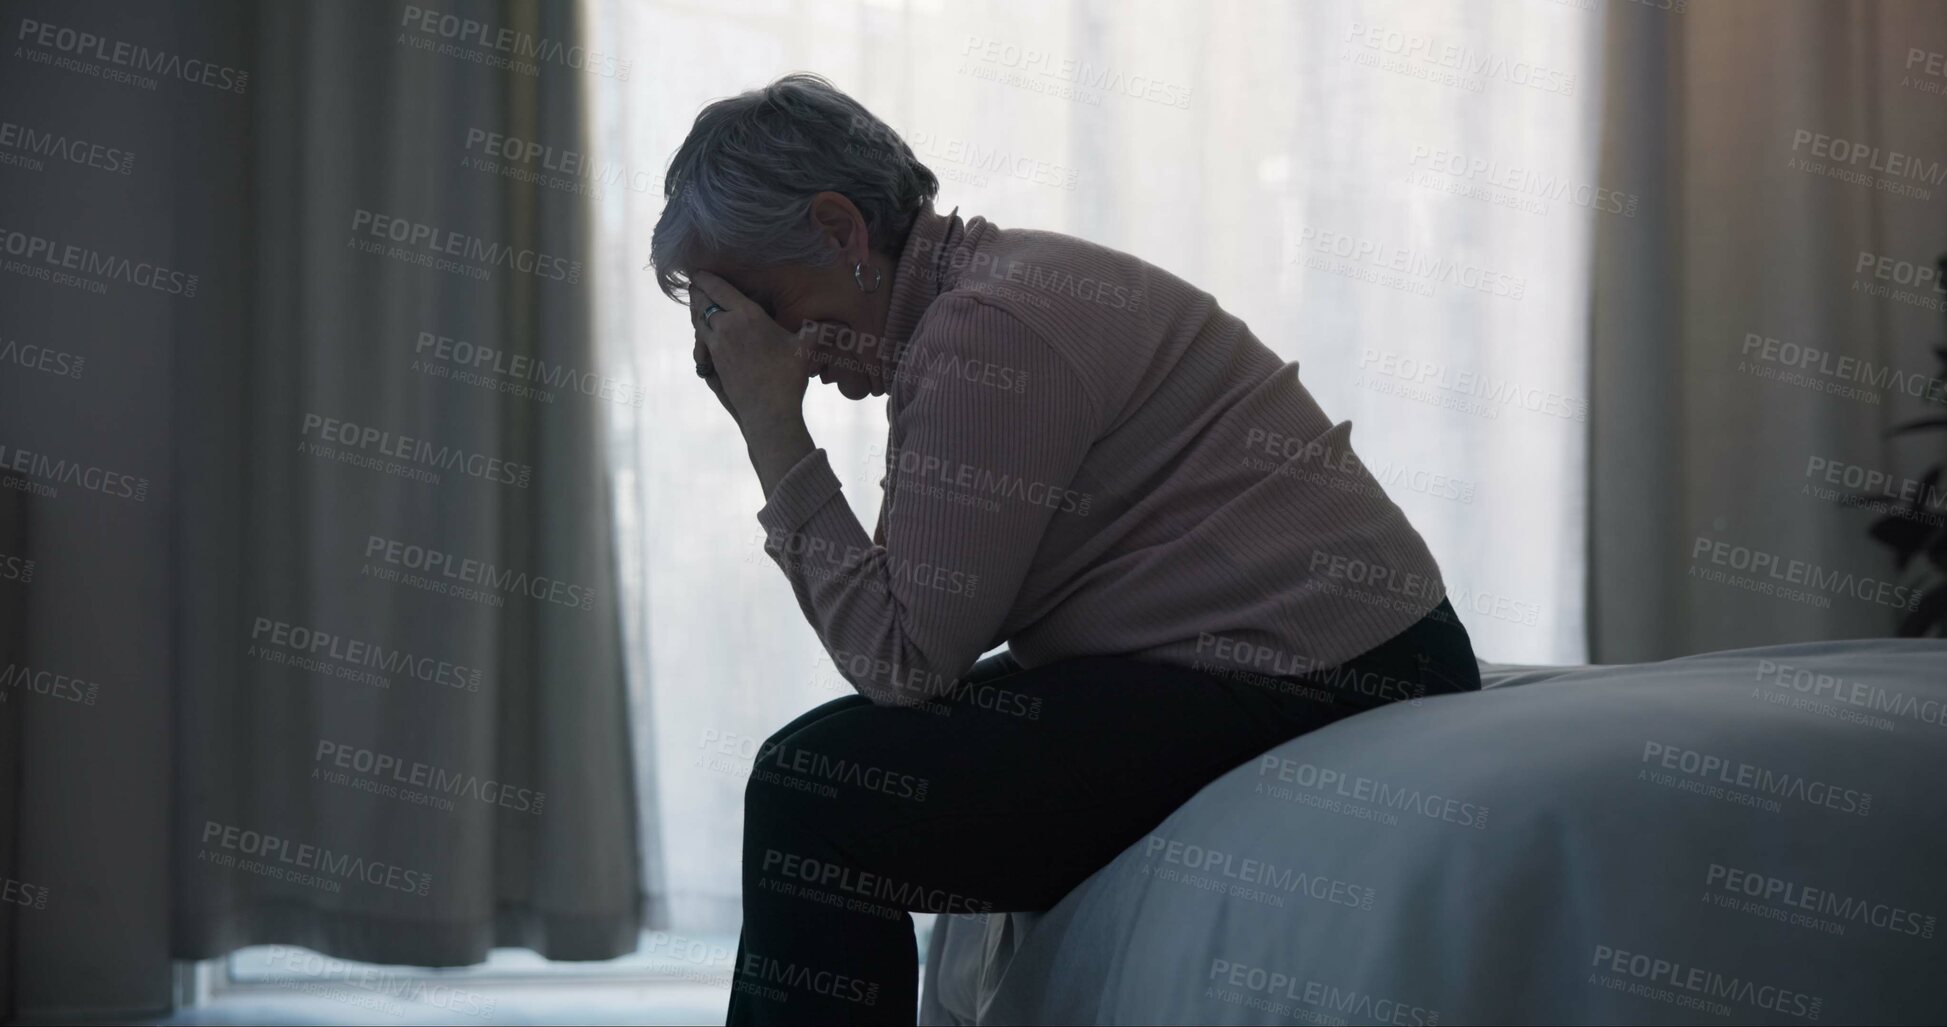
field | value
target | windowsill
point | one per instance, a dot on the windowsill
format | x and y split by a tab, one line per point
589	999
669	979
659	957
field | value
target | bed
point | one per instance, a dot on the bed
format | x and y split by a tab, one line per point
1753	836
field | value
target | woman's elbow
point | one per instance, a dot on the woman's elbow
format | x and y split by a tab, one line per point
907	680
904	687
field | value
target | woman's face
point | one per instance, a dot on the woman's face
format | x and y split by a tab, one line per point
837	327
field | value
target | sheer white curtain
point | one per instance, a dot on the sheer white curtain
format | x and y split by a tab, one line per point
1399	197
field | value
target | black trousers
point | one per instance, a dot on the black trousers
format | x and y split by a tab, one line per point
1003	798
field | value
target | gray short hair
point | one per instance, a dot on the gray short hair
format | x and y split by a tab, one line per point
740	186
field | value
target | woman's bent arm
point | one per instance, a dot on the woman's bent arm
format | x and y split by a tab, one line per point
976	471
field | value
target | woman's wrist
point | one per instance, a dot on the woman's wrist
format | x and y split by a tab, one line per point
776	443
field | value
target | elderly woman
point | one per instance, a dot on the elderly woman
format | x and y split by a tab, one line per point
1088	460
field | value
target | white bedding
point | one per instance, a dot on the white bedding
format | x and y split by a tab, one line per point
1570	845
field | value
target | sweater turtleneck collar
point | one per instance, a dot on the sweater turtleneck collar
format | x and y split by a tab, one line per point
921	274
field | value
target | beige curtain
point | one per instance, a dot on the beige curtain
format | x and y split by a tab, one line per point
1763	322
1234	144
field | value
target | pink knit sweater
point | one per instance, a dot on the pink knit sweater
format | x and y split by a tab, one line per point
1089	457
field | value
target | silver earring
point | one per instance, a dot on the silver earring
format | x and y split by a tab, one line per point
858	275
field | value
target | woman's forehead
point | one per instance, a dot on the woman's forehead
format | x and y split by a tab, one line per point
784	280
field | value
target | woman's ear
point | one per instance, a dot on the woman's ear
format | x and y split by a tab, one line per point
840	220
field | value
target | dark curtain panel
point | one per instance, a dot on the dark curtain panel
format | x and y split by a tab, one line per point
355	638
1752	339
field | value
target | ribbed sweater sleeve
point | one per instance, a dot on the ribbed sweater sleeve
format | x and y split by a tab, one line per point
979	465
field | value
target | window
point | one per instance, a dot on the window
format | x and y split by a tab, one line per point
1397	196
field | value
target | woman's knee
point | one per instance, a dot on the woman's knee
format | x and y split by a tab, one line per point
784	783
810	717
